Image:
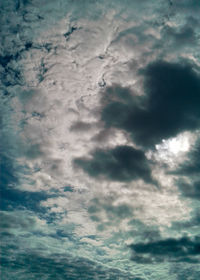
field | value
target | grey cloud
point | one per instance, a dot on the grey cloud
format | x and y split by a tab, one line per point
191	224
184	249
185	36
191	166
34	151
13	220
191	190
12	198
104	135
189	170
138	38
122	163
170	105
143	232
188	271
81	126
113	212
191	5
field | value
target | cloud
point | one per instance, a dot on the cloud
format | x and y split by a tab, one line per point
51	92
188	174
8	176
32	265
16	220
188	271
190	226
191	5
186	36
170	105
107	212
13	198
191	190
191	166
184	249
81	126
123	163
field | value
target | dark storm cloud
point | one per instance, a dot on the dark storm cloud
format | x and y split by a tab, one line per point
184	249
170	105
122	163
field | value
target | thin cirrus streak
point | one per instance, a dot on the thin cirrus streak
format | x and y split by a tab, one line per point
100	139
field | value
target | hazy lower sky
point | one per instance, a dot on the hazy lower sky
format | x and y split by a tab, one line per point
100	139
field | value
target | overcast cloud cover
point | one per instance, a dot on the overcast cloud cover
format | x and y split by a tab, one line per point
100	139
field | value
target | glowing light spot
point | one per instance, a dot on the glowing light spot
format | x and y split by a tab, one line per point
175	145
174	149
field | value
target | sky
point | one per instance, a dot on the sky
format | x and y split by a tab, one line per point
100	139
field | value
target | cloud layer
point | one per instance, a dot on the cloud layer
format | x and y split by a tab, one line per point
99	129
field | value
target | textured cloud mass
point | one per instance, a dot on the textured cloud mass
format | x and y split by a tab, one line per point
170	105
181	250
99	139
122	163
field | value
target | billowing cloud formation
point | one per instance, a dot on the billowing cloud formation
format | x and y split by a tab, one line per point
170	105
122	163
174	250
